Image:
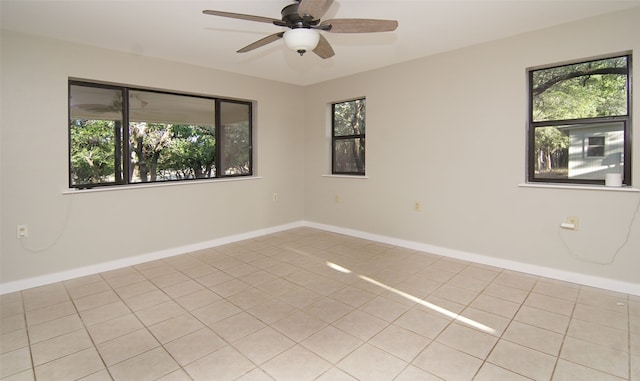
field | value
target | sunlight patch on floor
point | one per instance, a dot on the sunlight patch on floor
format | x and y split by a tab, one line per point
415	299
338	268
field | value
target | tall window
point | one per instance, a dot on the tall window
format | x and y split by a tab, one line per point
120	135
348	137
580	121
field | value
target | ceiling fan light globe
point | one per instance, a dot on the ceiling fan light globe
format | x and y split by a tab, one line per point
301	40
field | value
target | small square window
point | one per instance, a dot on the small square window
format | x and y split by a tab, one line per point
595	146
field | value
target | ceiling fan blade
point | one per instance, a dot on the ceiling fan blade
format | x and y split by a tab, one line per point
360	25
324	49
240	16
262	42
314	8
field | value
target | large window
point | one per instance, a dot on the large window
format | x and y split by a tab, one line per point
580	121
348	136
120	135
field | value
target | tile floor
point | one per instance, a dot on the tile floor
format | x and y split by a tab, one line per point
311	305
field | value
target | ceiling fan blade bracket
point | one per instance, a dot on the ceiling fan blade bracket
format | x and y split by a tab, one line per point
323	26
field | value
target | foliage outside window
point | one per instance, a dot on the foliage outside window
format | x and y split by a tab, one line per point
580	121
348	137
120	135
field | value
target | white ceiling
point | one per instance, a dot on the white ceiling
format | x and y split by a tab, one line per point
178	31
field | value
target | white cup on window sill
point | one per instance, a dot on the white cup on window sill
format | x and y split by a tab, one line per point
613	180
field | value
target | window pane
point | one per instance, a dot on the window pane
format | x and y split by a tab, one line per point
551	153
96	135
349	118
348	156
579	151
171	137
235	120
585	90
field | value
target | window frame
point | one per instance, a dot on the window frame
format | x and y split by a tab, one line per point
125	149
336	138
625	120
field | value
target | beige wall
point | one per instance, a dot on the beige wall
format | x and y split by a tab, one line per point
447	131
69	231
450	131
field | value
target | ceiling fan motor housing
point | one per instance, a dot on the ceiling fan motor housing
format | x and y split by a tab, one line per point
293	19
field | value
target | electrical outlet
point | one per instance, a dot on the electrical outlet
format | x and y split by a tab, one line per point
337	199
574	221
275	197
417	206
21	231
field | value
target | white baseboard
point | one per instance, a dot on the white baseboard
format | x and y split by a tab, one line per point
24	284
548	272
568	276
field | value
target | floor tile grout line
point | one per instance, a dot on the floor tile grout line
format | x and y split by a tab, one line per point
95	345
180	366
484	360
108	368
84	328
231	344
531	291
564	338
566	335
431	340
359	346
452	322
26	328
303	339
630	354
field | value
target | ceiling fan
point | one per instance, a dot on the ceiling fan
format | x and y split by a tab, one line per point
303	20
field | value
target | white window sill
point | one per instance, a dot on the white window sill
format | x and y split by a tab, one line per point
347	176
580	187
158	184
